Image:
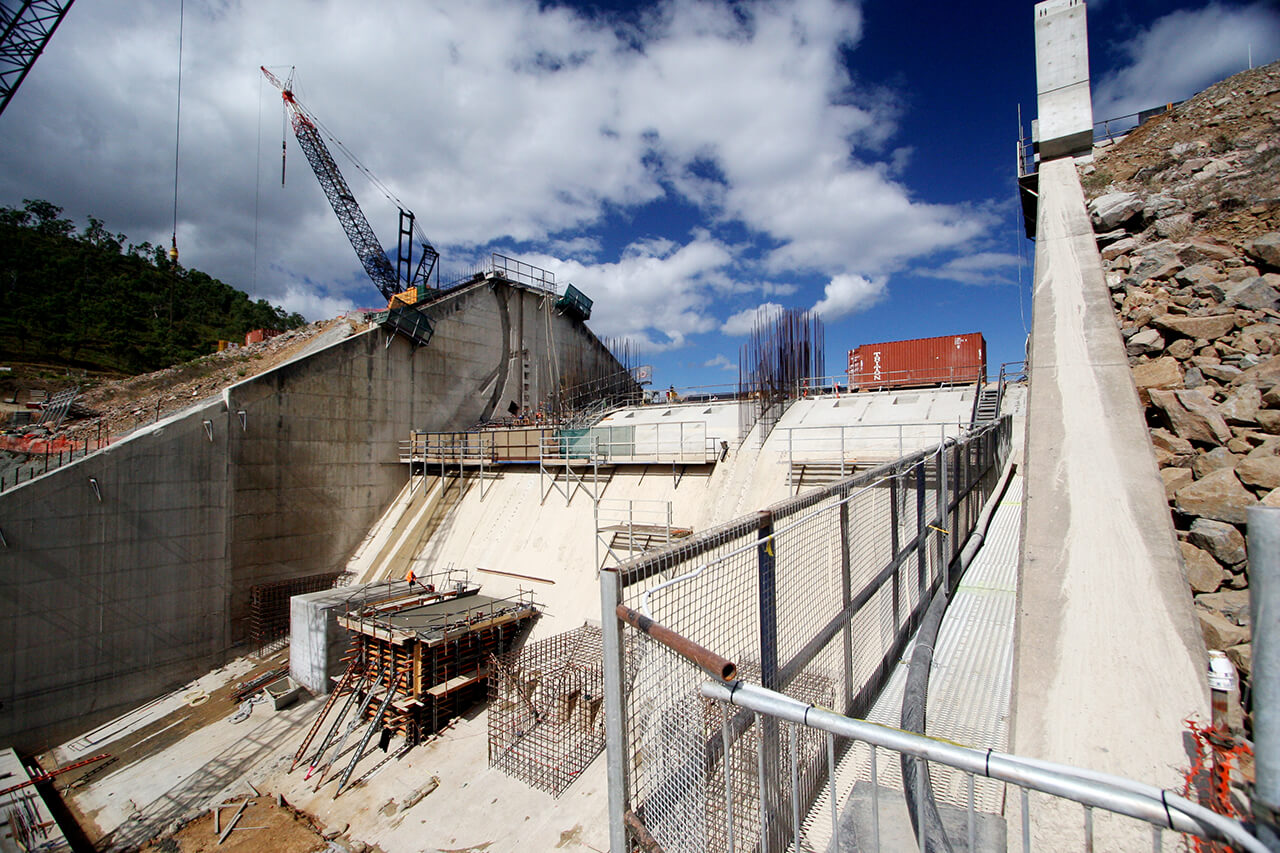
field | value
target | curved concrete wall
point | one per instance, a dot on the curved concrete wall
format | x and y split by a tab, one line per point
107	603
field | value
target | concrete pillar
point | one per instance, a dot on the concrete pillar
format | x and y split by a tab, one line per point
1064	126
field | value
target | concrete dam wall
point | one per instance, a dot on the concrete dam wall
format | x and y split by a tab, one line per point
127	573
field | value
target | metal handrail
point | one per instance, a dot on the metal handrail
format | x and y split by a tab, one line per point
1112	793
955	374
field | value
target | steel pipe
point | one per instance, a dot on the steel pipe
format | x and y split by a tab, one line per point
711	663
1099	790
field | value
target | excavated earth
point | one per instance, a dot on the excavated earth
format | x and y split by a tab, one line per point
1186	211
125	404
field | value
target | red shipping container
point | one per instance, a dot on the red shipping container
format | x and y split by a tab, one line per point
257	336
948	360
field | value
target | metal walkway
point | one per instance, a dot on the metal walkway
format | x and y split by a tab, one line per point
969	690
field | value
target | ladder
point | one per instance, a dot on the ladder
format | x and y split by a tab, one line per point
987	408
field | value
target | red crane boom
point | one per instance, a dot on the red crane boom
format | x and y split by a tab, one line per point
386	278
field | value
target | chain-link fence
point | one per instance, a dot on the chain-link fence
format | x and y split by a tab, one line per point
815	597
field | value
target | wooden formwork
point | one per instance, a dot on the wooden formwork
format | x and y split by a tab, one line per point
414	664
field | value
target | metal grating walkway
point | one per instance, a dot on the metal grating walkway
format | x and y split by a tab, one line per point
969	685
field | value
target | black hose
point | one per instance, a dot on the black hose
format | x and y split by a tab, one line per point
914	698
916	693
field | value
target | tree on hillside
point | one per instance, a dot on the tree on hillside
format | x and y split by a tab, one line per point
93	299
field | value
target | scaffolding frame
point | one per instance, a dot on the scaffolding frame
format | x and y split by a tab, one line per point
581	471
632	526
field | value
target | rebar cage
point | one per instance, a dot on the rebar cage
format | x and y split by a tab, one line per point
815	597
546	722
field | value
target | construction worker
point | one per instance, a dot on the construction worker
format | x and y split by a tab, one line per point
410	577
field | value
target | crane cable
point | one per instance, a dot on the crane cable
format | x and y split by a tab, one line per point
177	135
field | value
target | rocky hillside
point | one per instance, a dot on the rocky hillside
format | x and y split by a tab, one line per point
1187	215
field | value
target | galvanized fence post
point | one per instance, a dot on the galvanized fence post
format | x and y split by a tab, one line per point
614	720
942	504
770	751
922	531
1264	595
895	486
846	598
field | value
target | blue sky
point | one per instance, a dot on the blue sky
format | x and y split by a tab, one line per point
688	164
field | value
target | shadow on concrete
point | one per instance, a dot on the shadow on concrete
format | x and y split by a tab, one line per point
990	835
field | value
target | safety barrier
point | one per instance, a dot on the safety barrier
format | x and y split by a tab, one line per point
1150	811
815	596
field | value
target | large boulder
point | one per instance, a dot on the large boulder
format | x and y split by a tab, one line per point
1176	445
1173	227
1222	540
1266	375
1266	249
1120	247
1200	249
1174	479
1161	373
1112	210
1203	572
1159	261
1209	328
1144	342
1269	420
1198	275
1241	407
1219	634
1192	416
1242	657
1261	472
1257	294
1262	337
1231	604
1217	495
1222	372
1207	463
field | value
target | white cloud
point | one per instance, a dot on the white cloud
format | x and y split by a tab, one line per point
655	300
1186	51
312	304
581	246
549	131
980	268
721	362
747	319
847	294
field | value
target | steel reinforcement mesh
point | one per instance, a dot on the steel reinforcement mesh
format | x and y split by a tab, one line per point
546	721
269	605
816	597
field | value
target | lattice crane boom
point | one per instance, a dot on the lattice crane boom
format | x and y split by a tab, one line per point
359	232
23	36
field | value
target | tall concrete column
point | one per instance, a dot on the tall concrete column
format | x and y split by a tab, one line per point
1064	124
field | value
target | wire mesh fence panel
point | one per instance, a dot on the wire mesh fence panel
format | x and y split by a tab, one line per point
815	597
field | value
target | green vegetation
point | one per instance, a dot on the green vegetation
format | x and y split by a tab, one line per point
85	300
1096	182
